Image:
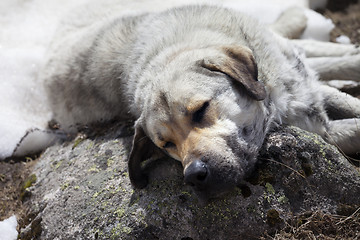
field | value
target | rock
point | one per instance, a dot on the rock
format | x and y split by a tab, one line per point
83	192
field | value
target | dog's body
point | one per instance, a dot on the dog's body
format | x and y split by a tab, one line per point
205	84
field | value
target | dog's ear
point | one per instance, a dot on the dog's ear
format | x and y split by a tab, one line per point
142	149
239	64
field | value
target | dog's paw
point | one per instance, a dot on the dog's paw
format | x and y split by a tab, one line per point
354	49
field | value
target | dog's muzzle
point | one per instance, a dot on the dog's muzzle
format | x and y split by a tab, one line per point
197	175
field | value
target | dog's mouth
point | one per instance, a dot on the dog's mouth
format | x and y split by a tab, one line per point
209	183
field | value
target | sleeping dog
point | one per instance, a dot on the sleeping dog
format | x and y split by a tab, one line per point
204	85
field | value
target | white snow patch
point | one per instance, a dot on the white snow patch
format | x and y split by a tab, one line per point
264	10
343	39
8	229
26	30
318	28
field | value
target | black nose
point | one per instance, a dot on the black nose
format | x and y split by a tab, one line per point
196	174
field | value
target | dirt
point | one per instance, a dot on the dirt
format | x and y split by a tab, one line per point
15	173
347	23
317	225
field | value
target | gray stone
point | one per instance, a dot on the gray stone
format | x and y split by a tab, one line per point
83	192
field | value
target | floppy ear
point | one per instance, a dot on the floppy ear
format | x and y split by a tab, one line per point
142	149
240	65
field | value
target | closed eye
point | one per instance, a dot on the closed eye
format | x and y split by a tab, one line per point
169	145
198	116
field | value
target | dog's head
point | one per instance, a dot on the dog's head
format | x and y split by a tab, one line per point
205	110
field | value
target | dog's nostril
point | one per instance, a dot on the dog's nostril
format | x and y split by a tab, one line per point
196	174
201	176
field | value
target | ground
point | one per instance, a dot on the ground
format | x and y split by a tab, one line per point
15	173
347	23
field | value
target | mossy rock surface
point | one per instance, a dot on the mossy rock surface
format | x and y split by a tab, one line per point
82	191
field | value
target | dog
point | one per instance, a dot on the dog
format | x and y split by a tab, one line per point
204	85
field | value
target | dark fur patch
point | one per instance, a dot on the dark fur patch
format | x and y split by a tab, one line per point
240	66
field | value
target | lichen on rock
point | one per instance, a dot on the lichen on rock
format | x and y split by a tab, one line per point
296	172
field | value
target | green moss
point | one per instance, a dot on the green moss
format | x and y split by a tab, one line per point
283	199
29	159
77	141
120	212
269	188
125	174
94	169
91	145
269	192
126	230
316	139
104	204
185	193
57	164
115	232
95	195
64	186
118	231
28	183
110	162
323	148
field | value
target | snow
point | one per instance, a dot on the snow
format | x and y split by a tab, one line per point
26	30
8	229
318	26
343	39
265	10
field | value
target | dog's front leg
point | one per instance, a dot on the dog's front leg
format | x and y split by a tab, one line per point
340	105
313	48
345	134
344	128
336	68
